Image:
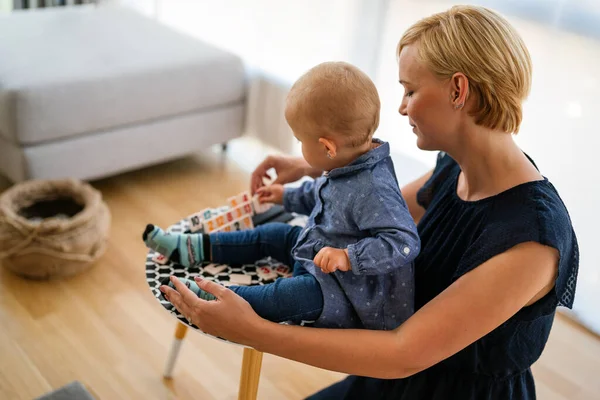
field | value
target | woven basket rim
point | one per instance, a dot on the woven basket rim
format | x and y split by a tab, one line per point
91	199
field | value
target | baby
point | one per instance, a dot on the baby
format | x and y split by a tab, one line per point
353	262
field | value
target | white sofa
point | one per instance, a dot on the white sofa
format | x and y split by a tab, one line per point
87	92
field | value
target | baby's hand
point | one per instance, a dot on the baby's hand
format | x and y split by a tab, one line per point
270	194
330	259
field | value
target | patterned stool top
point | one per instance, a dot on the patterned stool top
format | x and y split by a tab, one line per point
156	272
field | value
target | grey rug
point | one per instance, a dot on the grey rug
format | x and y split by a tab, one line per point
72	391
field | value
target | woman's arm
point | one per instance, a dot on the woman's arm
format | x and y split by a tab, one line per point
409	192
470	308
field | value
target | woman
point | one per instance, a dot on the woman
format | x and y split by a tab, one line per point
498	250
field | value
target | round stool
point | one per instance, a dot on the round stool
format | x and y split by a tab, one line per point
156	272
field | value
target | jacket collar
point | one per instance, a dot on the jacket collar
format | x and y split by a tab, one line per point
368	159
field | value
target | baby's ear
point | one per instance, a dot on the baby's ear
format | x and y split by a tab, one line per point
330	146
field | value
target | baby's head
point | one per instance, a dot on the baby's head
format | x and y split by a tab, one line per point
333	110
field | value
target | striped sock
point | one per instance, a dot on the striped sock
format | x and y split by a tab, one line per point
181	248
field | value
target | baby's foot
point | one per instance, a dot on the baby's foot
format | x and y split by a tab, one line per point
181	248
193	286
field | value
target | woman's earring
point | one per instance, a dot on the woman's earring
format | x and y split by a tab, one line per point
329	156
456	107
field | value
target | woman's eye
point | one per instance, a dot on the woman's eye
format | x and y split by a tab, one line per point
408	94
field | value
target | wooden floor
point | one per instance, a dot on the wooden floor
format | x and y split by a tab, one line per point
105	329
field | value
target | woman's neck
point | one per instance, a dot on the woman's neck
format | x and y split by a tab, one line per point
491	162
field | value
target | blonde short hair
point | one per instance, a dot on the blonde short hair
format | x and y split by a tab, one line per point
337	98
488	50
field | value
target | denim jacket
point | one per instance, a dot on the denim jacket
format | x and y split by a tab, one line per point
359	207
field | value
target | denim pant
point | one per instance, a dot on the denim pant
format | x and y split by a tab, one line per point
298	298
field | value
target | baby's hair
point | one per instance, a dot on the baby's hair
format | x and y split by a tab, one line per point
337	98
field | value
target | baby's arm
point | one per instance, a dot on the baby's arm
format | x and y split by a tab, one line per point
300	200
393	238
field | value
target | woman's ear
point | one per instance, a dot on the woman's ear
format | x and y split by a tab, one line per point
459	86
330	147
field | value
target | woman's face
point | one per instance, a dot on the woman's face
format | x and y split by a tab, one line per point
427	102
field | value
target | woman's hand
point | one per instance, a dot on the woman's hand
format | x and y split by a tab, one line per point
215	317
288	169
271	194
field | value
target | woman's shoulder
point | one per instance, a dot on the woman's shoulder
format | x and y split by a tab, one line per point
535	202
530	212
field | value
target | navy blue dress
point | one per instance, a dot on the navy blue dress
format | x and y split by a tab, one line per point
457	236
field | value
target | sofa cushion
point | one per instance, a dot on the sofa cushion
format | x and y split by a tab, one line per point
72	71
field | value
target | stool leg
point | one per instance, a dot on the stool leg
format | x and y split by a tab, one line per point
250	374
180	332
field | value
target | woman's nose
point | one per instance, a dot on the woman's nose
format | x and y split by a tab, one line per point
402	109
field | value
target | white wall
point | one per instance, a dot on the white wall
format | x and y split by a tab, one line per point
279	41
149	8
283	38
6	5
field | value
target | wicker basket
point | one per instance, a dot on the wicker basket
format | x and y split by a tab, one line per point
52	228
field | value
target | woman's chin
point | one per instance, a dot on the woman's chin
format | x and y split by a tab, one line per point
424	145
421	144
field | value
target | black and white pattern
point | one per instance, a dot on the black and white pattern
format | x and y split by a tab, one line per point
156	272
